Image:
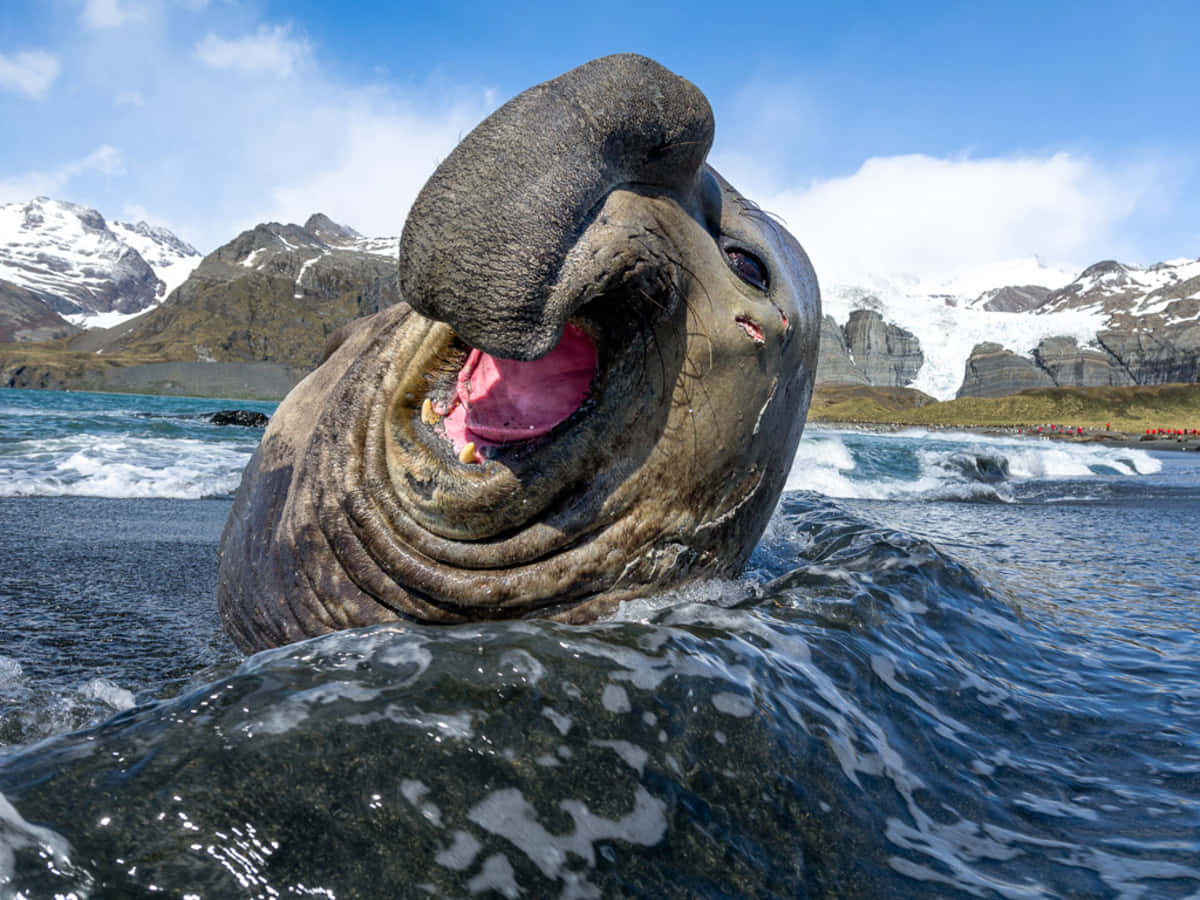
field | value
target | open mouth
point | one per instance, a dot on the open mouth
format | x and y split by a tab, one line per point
483	448
503	401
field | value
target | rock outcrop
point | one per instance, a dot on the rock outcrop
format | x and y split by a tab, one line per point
835	365
1070	365
1014	299
24	317
330	231
244	418
1151	334
868	351
1161	356
992	371
1121	359
1153	317
888	355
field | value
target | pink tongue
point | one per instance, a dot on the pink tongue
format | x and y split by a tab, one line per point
503	400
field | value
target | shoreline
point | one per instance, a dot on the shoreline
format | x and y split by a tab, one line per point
1101	436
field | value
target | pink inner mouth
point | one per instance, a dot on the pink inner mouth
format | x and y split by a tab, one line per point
500	401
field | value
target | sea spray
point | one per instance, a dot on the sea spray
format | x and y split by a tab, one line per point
949	466
118	446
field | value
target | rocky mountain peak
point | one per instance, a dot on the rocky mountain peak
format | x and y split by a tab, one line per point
163	236
1013	298
1109	268
281	248
39	209
328	230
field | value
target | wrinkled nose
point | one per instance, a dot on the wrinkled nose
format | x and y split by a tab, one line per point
485	244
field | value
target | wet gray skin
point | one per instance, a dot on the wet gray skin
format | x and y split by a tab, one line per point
584	200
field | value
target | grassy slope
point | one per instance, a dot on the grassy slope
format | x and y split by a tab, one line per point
252	318
1126	408
55	357
255	318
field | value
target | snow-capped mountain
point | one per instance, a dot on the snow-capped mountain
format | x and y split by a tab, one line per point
254	317
88	270
1161	295
948	315
1021	304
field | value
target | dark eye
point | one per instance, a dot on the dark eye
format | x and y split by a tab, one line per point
748	267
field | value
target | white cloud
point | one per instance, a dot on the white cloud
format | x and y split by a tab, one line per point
105	160
271	49
921	214
218	150
111	13
379	163
30	72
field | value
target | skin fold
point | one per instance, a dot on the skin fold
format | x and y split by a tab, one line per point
585	200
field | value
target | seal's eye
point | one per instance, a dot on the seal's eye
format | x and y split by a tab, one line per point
748	267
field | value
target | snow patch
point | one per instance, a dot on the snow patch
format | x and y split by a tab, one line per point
304	268
174	274
385	246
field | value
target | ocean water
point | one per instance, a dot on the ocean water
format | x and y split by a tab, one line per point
955	666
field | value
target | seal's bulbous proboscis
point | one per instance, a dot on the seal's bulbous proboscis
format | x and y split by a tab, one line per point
594	387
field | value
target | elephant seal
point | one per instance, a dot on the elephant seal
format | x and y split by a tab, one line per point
593	388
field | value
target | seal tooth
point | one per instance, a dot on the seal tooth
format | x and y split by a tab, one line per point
467	453
428	416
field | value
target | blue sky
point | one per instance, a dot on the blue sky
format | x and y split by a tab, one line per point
892	137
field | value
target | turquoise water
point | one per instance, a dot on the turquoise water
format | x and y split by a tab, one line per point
56	443
955	667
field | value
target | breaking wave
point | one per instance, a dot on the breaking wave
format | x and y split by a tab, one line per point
130	447
122	466
951	466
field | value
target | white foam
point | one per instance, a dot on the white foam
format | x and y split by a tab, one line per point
108	693
10	671
709	592
824	464
1050	458
122	466
508	815
1055	461
820	465
18	834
